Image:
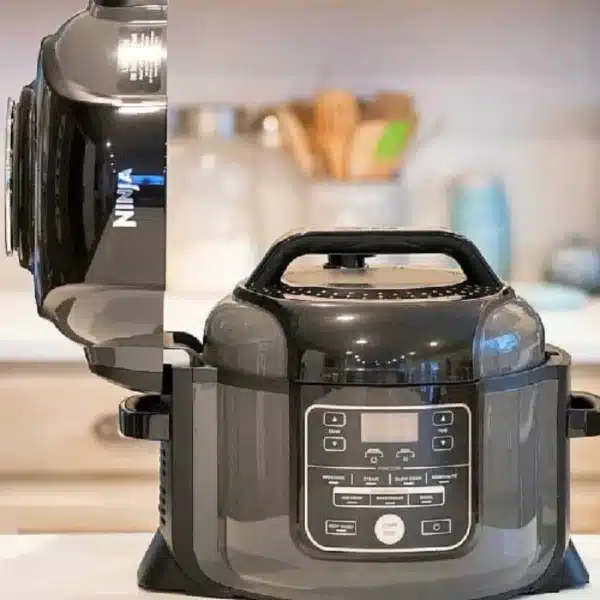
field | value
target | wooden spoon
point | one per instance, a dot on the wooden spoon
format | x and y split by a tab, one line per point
362	162
393	106
337	115
296	138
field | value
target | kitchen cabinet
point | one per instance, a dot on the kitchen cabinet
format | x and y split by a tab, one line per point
63	464
64	468
585	466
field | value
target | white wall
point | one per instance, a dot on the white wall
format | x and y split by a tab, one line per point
517	85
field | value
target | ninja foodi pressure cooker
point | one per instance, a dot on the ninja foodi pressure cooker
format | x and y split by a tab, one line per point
85	184
366	431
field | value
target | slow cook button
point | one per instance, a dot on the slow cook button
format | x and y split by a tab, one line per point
369	478
334	477
437	527
352	500
426	499
389	500
408	479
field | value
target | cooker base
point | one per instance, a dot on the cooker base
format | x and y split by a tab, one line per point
158	572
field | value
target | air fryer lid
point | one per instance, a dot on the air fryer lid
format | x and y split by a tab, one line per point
349	322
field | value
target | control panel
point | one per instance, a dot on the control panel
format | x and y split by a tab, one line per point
385	479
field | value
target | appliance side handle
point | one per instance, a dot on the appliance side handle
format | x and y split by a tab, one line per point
583	415
145	418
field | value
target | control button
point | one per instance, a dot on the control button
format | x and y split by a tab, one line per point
442	476
334	444
340	527
438	527
443	418
389	500
334	419
405	455
408	479
426	499
445	442
336	477
370	478
351	500
374	455
389	529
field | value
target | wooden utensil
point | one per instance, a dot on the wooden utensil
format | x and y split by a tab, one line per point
362	163
394	106
337	115
295	137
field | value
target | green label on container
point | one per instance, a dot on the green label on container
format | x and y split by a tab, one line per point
393	141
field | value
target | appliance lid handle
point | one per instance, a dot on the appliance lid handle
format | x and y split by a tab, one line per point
145	418
583	415
373	242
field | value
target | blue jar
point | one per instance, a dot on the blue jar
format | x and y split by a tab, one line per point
480	211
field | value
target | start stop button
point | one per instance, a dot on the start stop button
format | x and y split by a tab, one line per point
389	529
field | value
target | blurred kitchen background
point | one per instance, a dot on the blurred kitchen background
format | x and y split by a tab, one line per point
478	115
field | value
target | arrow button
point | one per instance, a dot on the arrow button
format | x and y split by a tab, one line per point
334	419
443	443
443	418
334	444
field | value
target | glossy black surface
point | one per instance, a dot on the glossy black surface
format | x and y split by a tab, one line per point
85	150
22	182
364	242
402	332
89	179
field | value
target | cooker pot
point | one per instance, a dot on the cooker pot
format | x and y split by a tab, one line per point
359	430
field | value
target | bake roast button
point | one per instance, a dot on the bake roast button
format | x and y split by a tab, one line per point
389	529
334	444
443	418
334	419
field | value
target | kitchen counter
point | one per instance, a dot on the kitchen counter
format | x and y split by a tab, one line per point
101	567
24	336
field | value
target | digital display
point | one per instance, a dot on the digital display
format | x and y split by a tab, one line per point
384	427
